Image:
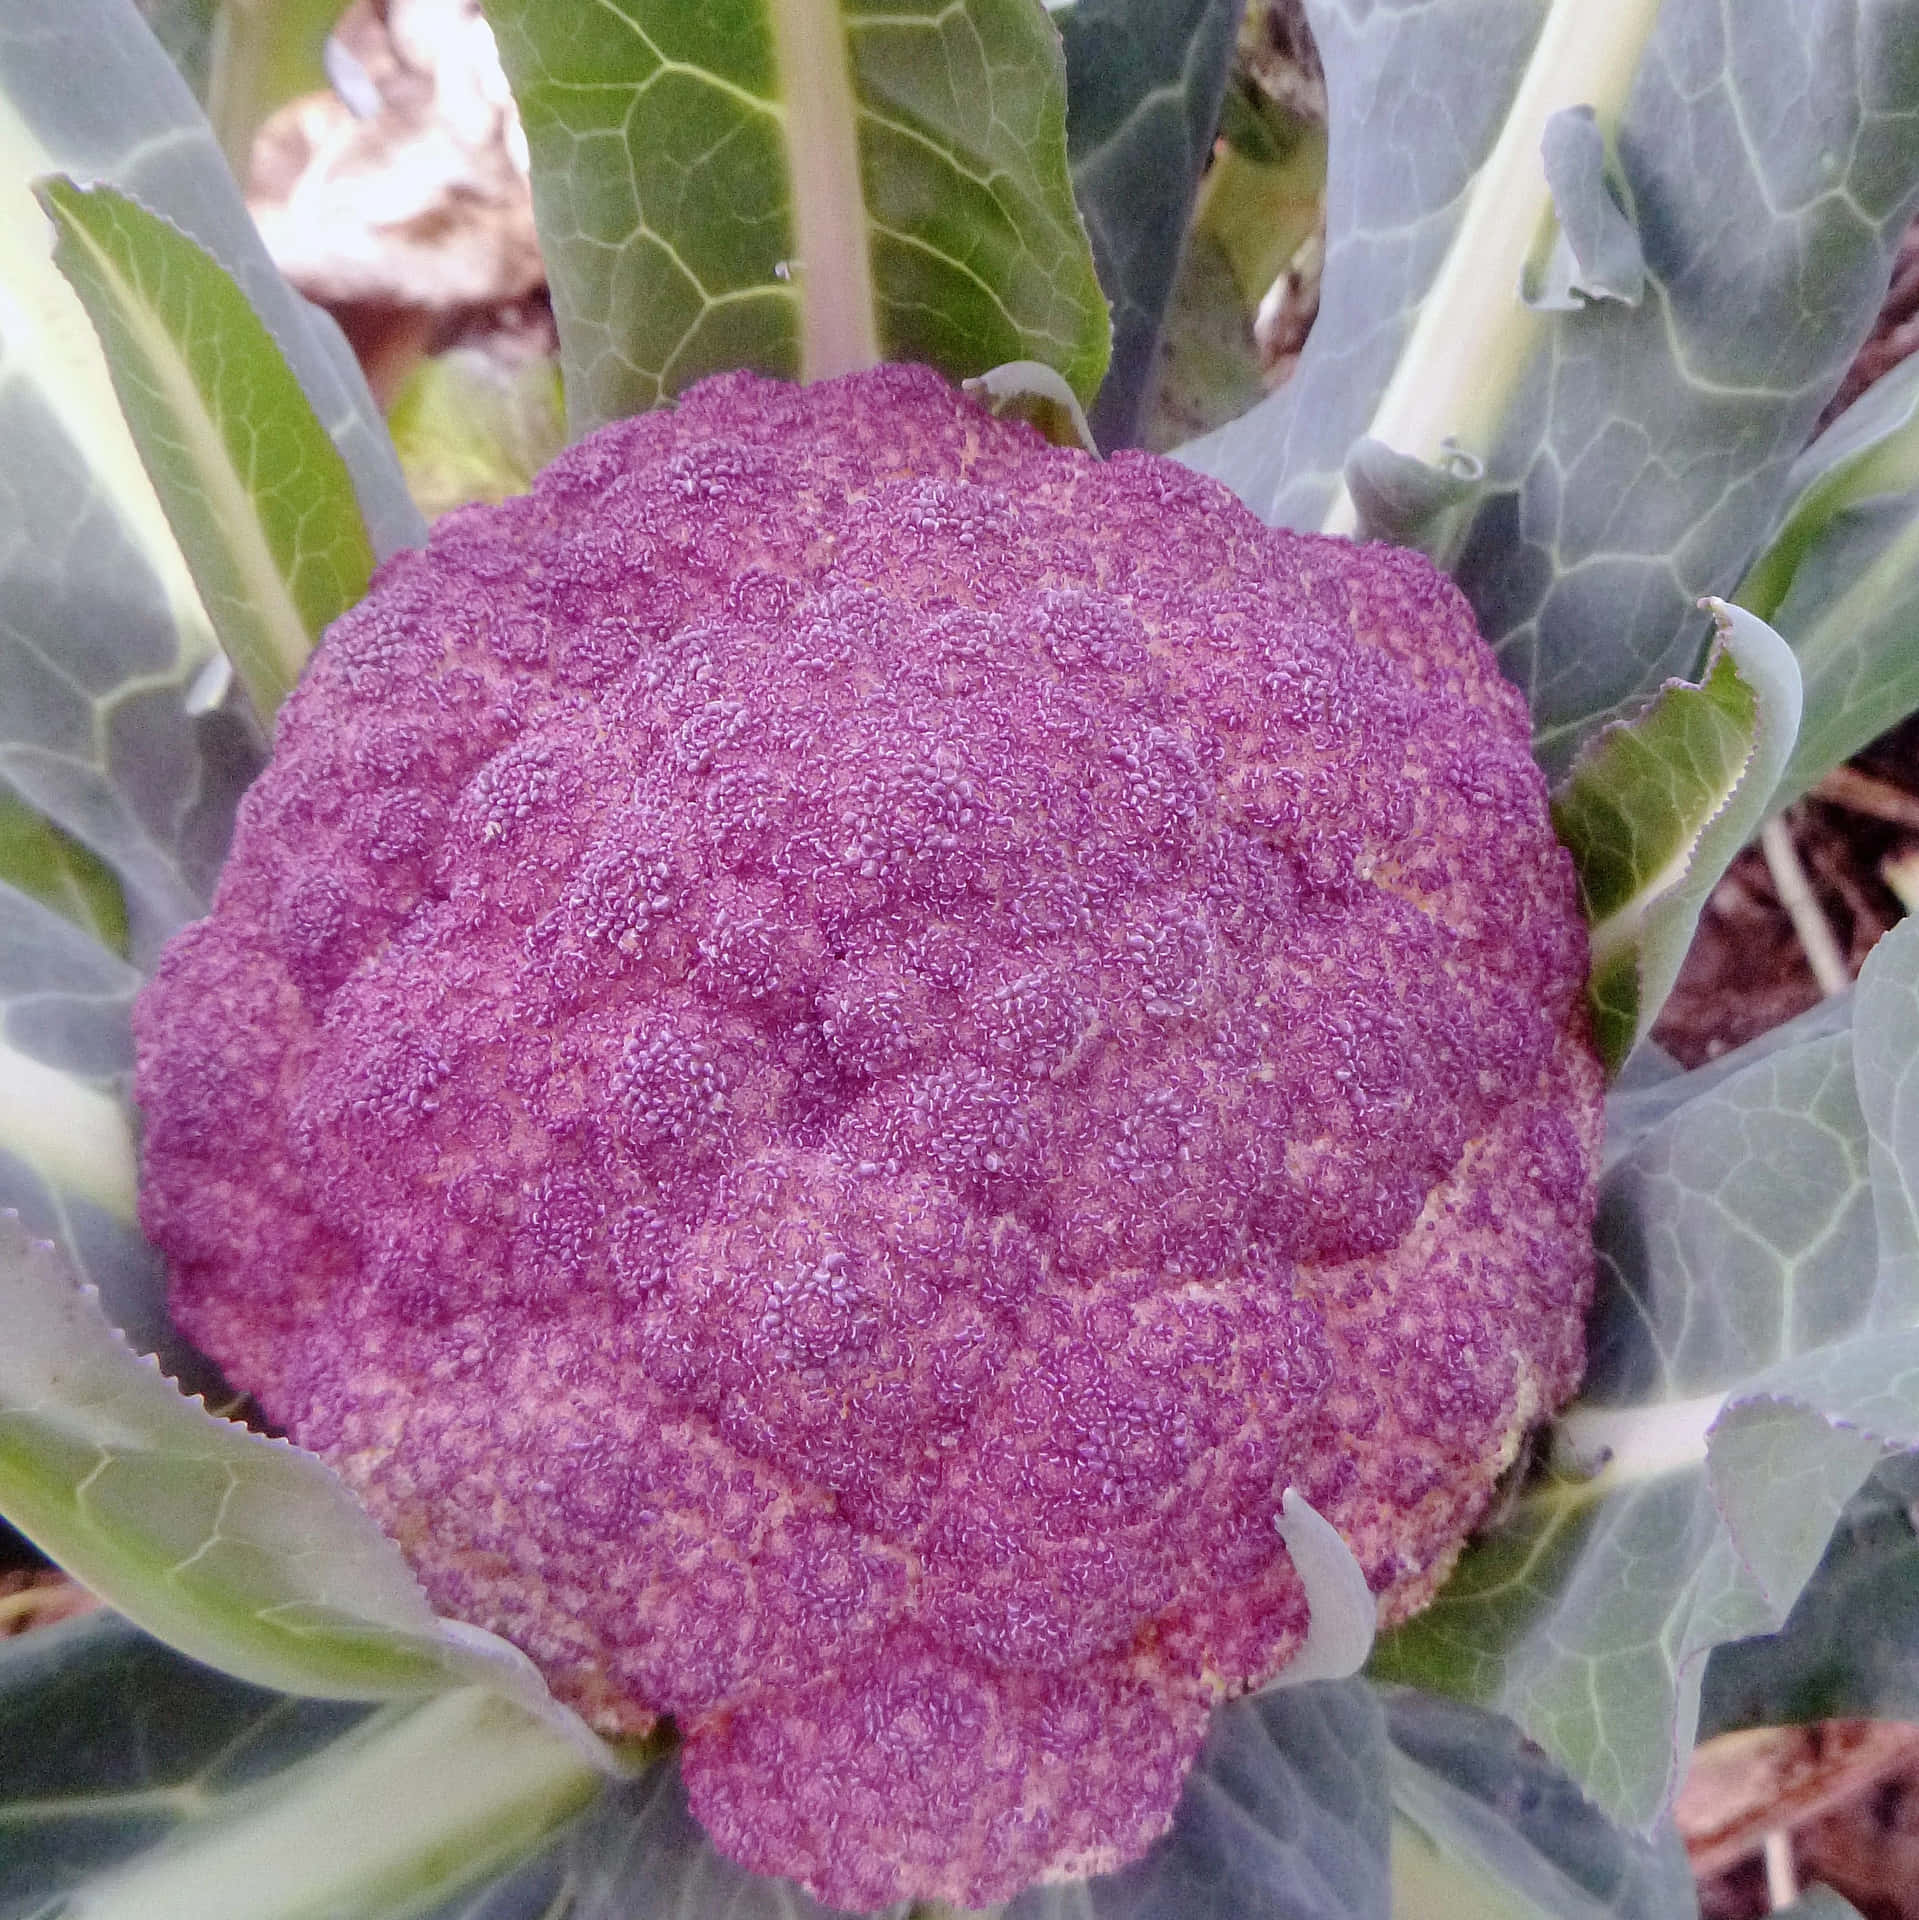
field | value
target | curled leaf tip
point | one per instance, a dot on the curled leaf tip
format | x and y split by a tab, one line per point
1032	391
1341	1612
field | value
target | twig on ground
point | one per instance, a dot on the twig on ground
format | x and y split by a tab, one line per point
1865	793
1782	1883
1809	922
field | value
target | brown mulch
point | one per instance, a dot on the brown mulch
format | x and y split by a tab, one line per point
39	1597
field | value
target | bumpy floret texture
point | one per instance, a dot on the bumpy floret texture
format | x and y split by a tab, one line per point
834	1049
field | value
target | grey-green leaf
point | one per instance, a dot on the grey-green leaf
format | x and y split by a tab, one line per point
1886	1064
103	640
1409	502
242	1551
1656	807
255	491
1840	577
67	1162
1751	1357
1285	1812
1143	85
1486	1829
802	187
1850	1646
1635	455
55	869
412	1804
138	1785
110	1742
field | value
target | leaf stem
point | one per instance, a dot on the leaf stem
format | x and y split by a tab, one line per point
839	332
1475	336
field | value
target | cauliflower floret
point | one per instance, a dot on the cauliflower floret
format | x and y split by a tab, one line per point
834	1049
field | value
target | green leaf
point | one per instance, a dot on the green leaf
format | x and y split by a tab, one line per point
1635	455
1486	1829
107	723
1263	196
1840	577
136	1785
802	187
242	1551
55	869
1209	371
467	428
1144	80
1655	808
1753	1353
256	493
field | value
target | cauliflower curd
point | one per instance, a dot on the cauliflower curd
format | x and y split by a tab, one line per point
834	1048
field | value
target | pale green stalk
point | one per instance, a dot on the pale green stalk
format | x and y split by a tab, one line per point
834	271
1475	336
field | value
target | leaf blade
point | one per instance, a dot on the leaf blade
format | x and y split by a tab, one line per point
55	869
102	637
678	190
1839	578
1750	1360
255	491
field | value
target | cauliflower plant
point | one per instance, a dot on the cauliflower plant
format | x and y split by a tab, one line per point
835	1048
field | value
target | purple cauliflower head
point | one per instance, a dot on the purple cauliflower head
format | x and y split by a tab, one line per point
834	1049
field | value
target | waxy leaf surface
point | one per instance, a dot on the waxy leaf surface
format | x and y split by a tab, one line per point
245	1552
67	1157
139	1785
1486	1828
1850	1646
1839	580
1635	455
1143	88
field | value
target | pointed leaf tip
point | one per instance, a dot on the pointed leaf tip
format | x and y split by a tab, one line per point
253	487
1342	1614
